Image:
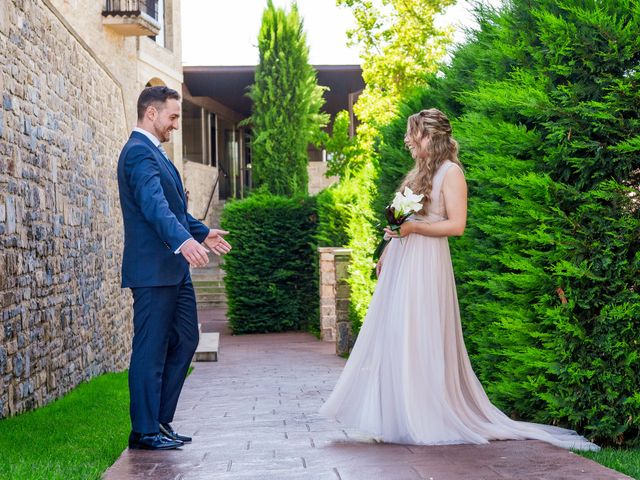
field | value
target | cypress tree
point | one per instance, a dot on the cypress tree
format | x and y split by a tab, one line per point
286	104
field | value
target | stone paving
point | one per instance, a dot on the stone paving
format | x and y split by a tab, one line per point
253	416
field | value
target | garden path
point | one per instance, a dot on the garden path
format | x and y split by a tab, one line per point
253	416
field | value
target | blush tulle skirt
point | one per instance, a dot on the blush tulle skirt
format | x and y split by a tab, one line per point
408	379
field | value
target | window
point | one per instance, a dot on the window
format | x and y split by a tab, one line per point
192	130
160	38
213	144
155	9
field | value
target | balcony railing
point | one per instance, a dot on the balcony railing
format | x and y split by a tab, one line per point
132	17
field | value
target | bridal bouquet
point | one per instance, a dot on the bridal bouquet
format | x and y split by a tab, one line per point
403	206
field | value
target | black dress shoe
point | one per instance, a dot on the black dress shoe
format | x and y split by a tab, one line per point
152	441
167	431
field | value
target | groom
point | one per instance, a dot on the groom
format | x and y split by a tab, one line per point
161	240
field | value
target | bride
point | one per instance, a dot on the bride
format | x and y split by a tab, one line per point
408	379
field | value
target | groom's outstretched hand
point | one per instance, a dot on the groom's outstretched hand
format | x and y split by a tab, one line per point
216	242
195	253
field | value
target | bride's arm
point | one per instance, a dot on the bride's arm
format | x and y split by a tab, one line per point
454	189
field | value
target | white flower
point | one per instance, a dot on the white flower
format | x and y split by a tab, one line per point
406	202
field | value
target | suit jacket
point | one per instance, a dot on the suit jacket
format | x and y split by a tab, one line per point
156	221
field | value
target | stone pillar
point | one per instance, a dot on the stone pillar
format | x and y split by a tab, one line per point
335	325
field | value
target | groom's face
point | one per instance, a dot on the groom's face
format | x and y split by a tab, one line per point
167	119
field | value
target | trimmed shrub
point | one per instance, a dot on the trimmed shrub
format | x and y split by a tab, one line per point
271	272
544	103
334	215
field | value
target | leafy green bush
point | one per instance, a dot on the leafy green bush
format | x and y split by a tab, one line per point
334	214
271	272
544	103
342	149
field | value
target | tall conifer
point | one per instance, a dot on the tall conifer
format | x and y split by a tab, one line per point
286	104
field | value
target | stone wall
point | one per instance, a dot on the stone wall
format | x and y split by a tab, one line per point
335	293
62	124
199	180
134	60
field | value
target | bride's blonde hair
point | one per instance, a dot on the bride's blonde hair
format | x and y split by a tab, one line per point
434	125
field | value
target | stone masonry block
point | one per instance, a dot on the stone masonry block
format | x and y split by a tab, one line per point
329	310
341	270
327	278
10	214
328	335
327	291
343	290
327	266
343	338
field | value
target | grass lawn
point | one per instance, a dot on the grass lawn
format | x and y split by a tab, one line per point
76	437
626	461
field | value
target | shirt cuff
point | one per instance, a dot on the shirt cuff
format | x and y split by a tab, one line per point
178	249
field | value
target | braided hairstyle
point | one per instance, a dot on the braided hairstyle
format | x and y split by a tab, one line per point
429	139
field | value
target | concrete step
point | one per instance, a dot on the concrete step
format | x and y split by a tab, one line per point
220	291
211	299
214	269
211	291
211	305
207	282
205	296
212	274
201	283
208	347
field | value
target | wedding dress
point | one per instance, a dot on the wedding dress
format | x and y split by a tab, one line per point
408	379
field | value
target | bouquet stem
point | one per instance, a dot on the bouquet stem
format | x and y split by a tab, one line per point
379	249
383	243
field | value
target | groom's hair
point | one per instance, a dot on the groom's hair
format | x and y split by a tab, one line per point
154	96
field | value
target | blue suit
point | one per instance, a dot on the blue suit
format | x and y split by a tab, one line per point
156	224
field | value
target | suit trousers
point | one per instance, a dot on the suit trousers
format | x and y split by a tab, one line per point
165	338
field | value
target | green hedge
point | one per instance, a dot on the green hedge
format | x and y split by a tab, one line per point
544	103
271	272
335	213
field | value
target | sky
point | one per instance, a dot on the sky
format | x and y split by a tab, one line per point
224	32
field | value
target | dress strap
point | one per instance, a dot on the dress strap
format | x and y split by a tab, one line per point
438	179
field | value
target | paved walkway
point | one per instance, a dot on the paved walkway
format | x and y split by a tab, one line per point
252	415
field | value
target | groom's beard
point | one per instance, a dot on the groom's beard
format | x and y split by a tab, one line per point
162	132
165	135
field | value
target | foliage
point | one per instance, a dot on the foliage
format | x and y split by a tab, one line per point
334	216
544	103
400	45
74	438
286	101
341	148
271	273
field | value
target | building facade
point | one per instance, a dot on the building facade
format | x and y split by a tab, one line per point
70	74
217	144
